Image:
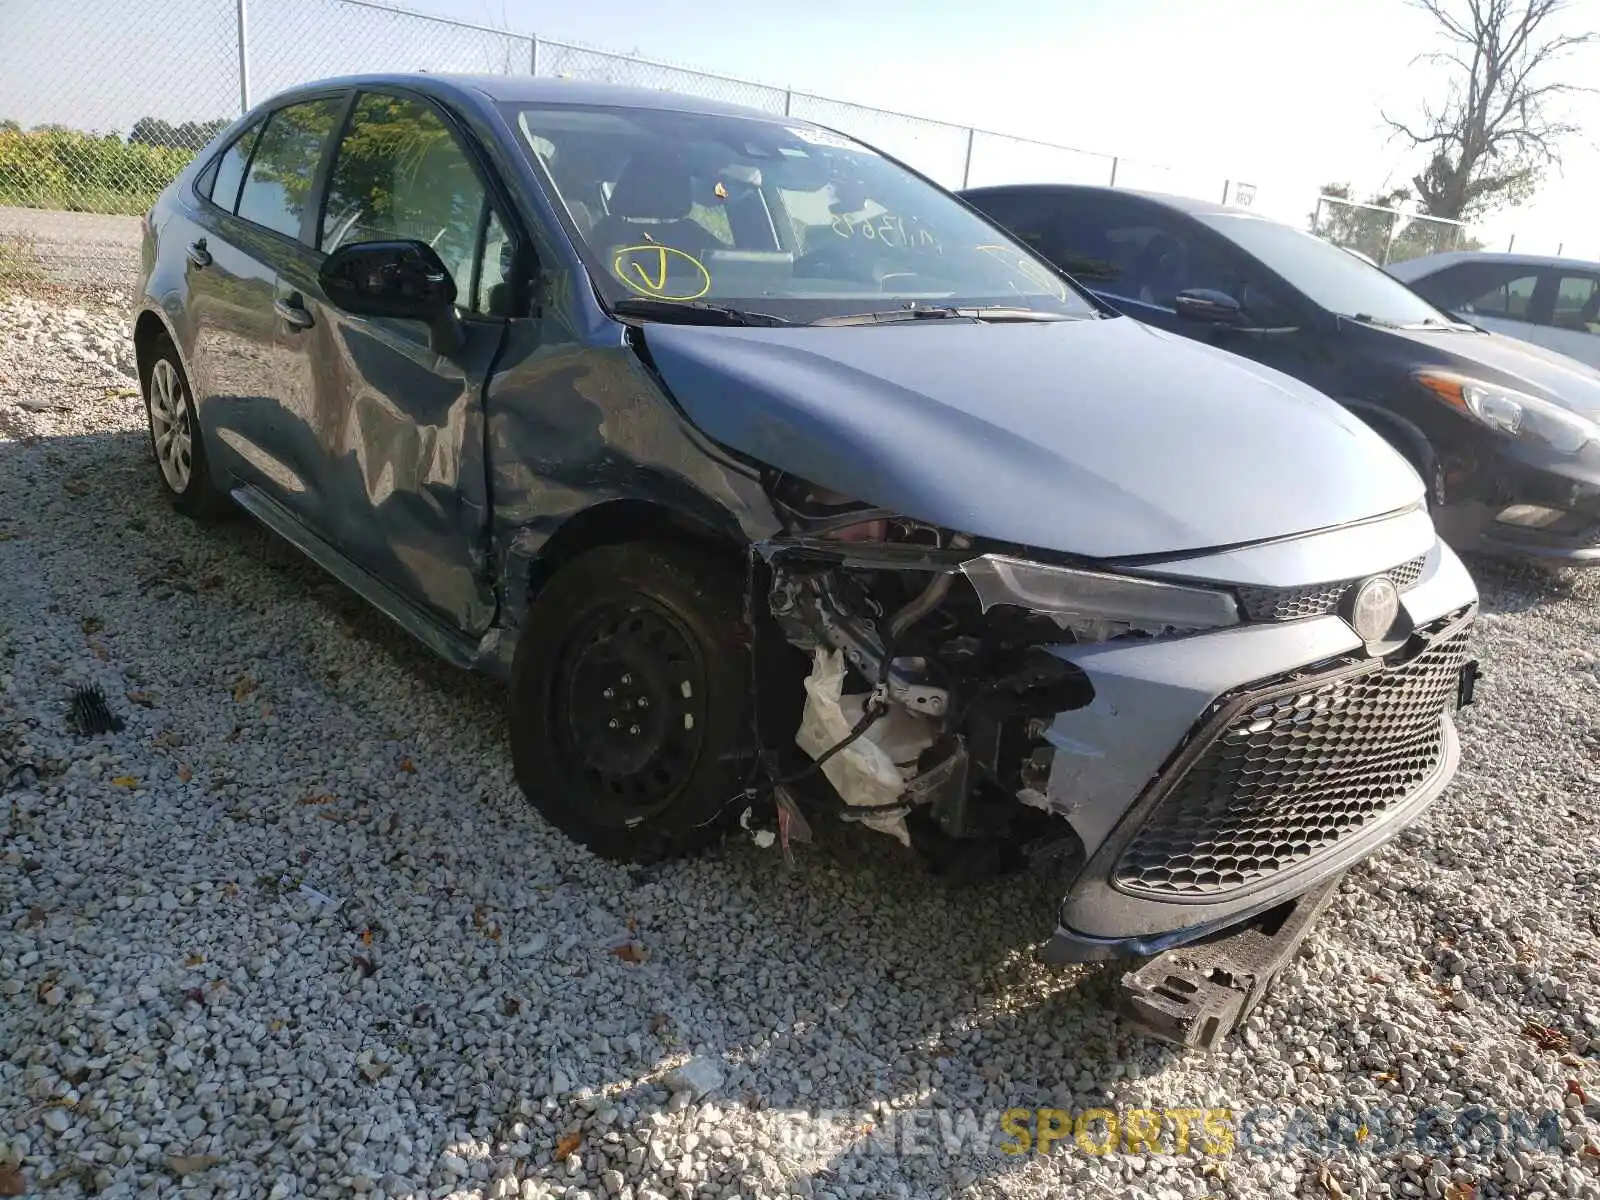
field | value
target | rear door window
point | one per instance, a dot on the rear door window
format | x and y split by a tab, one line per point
1576	303
277	187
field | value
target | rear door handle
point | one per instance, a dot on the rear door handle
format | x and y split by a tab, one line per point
293	311
198	254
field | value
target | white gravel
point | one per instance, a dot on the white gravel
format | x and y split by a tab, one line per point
460	1003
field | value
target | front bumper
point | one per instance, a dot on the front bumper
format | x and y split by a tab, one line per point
1162	719
1573	540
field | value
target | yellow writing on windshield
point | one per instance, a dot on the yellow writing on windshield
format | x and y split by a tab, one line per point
1030	270
661	272
885	227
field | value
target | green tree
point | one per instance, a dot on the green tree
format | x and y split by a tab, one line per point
189	135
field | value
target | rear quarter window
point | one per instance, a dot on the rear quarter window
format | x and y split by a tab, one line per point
222	179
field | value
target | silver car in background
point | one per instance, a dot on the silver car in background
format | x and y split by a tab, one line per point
1551	302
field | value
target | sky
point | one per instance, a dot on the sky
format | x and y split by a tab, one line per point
1286	95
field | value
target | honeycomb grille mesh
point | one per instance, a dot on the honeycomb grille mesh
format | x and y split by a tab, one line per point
1317	599
1291	774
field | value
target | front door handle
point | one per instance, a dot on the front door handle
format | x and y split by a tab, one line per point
293	311
198	254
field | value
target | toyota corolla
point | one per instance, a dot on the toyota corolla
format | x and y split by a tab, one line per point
778	484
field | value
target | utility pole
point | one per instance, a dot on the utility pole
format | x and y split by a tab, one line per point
244	61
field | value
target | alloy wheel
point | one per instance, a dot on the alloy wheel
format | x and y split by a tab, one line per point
170	432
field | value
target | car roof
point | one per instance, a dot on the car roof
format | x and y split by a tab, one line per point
1447	258
530	89
1183	204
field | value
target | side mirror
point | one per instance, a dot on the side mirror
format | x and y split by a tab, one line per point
1208	305
403	279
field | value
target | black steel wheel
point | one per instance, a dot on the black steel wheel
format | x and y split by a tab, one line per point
630	692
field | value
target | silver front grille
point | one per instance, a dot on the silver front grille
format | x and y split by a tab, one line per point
1316	599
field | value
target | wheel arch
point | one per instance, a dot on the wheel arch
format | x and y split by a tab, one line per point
535	555
149	327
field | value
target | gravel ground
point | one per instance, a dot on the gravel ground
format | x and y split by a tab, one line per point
69	249
292	931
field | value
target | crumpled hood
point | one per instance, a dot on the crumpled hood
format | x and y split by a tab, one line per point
1495	358
1101	438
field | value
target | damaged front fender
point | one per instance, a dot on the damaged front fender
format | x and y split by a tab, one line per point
925	711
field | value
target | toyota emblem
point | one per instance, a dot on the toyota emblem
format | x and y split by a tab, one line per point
1377	603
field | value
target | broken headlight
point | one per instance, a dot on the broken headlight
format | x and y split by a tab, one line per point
1095	606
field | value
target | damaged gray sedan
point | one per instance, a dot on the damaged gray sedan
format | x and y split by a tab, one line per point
779	485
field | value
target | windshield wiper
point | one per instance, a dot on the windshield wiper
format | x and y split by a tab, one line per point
919	312
692	312
1425	323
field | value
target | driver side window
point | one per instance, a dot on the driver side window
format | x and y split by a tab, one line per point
401	175
1151	260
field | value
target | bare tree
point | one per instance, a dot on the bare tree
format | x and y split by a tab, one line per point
1500	124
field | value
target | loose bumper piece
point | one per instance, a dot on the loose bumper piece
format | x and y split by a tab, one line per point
1195	995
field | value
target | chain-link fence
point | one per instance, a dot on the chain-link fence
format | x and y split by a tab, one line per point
1386	235
103	101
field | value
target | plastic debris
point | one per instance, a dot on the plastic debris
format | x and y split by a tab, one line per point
317	899
90	714
792	825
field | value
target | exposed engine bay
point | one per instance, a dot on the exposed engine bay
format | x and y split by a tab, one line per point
925	707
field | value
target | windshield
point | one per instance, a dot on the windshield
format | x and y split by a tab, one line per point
771	216
1331	277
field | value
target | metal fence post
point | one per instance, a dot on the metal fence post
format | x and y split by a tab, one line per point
533	54
1113	182
788	101
1388	242
966	167
244	59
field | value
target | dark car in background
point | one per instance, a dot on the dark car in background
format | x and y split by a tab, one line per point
771	477
1505	435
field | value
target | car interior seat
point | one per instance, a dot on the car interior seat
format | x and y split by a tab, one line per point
650	203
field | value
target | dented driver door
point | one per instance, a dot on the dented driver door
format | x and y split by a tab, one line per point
402	488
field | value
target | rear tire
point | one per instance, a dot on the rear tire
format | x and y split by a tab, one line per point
175	437
630	698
